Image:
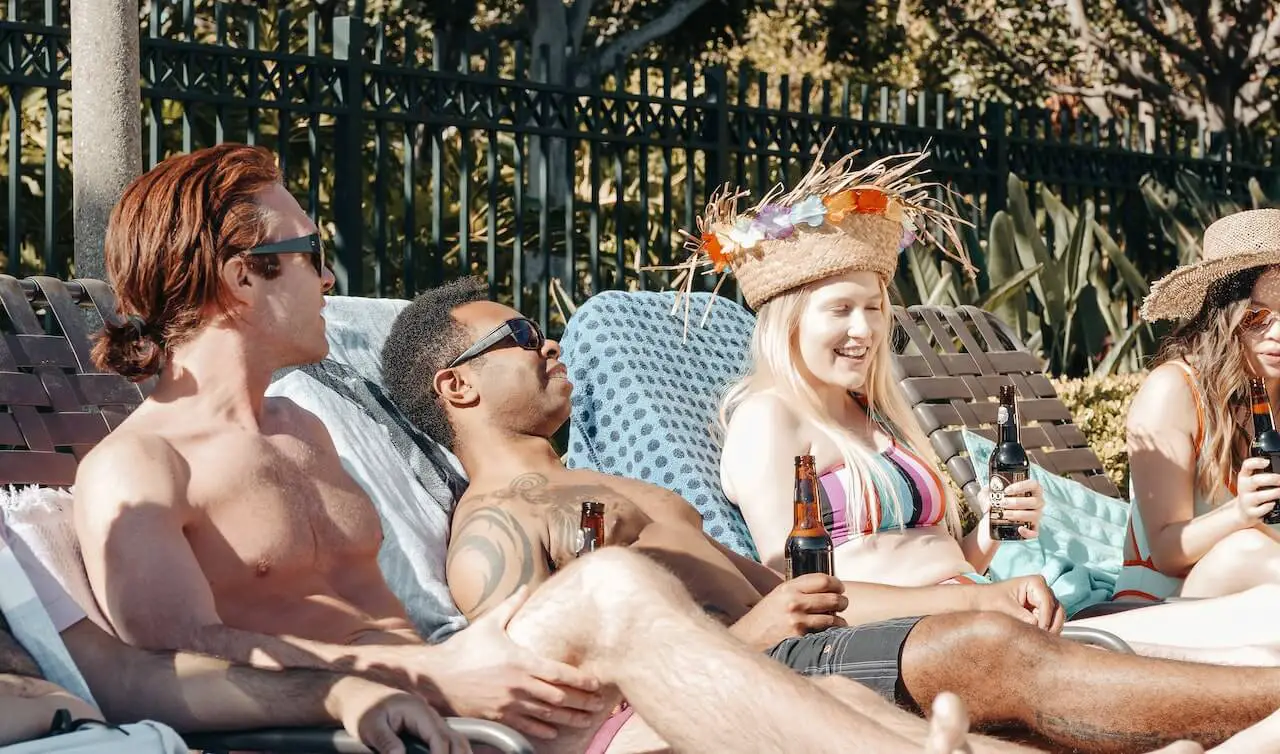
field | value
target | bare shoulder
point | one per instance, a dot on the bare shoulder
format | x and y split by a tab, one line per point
496	545
155	468
284	412
765	411
1164	403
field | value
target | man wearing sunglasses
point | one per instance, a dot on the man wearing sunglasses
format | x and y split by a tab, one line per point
482	380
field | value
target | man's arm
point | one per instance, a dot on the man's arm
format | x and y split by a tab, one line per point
761	576
494	550
195	692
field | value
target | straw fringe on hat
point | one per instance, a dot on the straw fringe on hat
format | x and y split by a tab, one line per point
836	219
1234	243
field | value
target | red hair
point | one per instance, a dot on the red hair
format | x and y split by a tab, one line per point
167	240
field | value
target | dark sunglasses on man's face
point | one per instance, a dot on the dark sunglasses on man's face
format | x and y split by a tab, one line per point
520	331
309	244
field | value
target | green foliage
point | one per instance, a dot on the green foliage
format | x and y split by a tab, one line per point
1100	407
1071	297
1190	205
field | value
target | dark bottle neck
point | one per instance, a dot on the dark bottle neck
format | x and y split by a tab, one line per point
1007	430
1262	421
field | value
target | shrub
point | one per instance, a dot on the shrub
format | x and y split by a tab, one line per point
1100	407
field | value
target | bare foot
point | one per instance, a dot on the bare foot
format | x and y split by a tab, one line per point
948	726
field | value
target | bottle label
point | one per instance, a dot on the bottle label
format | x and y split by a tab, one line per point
996	493
1001	529
1002	415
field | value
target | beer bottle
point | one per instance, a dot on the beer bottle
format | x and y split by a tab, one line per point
591	527
1266	440
1008	465
809	546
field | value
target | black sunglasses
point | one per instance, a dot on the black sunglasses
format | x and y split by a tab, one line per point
521	331
309	244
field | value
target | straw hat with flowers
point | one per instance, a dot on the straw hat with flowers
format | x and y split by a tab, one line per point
1233	244
838	218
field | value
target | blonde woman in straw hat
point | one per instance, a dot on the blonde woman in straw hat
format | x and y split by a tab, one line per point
1197	528
815	263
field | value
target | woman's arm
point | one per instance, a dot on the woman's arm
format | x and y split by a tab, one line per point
758	474
1161	438
978	546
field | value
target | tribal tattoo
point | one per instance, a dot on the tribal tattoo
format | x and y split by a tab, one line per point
506	550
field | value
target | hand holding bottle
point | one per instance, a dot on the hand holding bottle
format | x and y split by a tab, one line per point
1257	490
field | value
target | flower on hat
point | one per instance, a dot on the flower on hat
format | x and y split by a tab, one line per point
746	234
809	211
714	250
774	221
839	204
870	201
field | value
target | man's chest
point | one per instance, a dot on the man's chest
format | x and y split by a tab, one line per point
267	506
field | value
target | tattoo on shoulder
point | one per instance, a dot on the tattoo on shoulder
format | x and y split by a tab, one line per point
558	505
496	539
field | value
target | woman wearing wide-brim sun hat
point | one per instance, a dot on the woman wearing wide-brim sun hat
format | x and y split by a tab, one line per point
1199	501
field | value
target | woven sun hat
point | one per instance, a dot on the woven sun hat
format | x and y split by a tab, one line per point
1234	243
838	218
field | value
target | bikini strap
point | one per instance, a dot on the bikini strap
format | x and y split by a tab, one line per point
1192	379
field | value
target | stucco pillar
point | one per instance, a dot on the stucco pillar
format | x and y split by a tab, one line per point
106	141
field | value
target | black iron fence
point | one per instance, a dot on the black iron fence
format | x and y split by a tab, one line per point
417	173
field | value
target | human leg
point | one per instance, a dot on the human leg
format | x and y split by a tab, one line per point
1241	561
682	672
1009	673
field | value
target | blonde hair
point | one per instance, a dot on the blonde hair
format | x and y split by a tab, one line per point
774	356
1211	346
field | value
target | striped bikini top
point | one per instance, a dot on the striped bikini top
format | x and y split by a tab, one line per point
910	480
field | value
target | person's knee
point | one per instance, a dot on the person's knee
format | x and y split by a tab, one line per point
1241	551
987	638
621	582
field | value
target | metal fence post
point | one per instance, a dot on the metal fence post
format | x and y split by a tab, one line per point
348	169
717	165
997	158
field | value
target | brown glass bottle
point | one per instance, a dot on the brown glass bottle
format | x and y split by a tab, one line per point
1008	464
592	526
809	548
1266	440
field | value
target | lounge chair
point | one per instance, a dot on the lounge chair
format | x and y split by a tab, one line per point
55	406
647	389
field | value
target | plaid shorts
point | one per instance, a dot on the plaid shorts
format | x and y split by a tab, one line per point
870	654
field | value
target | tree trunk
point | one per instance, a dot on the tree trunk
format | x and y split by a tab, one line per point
1221	95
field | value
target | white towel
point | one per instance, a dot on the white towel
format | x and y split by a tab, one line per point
412	481
27	615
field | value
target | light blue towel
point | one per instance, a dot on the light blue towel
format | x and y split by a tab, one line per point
1081	544
645	396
